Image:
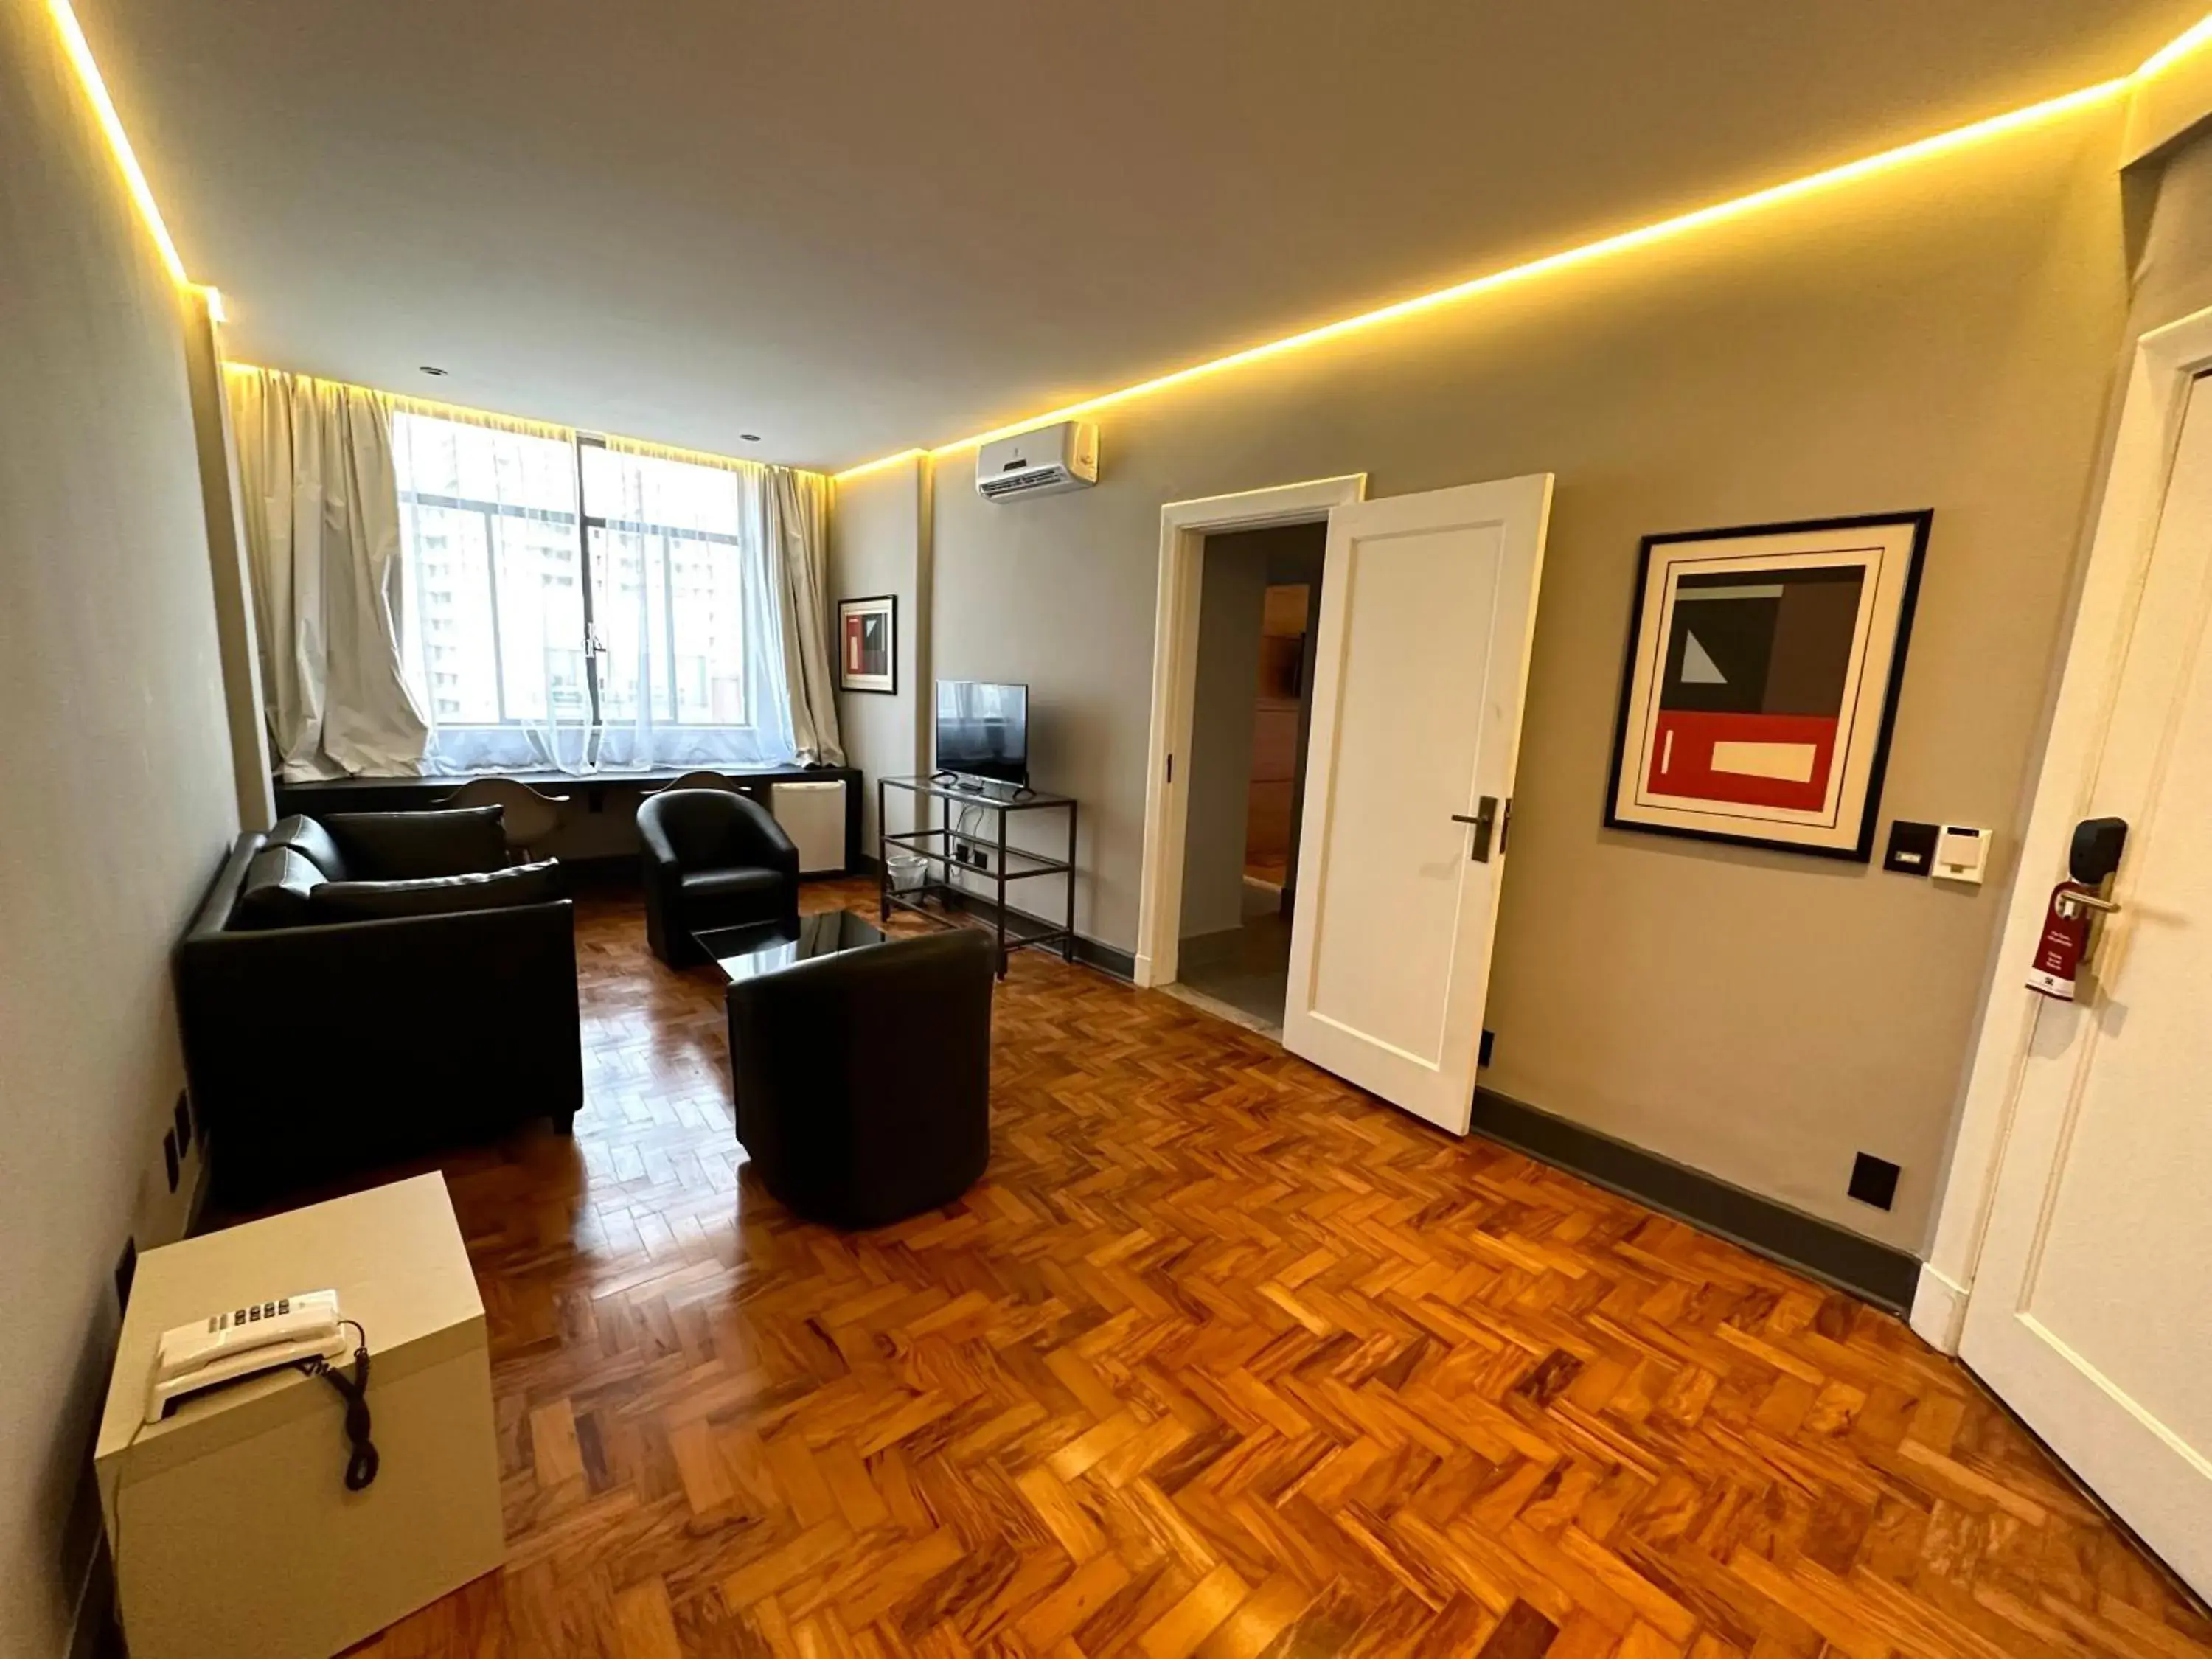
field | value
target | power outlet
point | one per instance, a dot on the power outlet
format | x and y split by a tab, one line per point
1874	1180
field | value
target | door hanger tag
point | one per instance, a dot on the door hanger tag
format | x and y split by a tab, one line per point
2065	938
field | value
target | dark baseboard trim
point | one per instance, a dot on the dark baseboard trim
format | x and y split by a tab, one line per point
1108	959
1878	1273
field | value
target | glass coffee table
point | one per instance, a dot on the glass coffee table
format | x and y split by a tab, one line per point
767	947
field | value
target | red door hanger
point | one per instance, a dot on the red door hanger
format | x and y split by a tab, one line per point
2065	938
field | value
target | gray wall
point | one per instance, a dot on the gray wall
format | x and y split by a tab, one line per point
1936	336
120	797
1237	570
877	544
1232	589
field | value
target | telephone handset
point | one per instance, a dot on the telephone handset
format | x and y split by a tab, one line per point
242	1342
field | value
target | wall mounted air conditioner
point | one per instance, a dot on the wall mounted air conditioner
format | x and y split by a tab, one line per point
1041	461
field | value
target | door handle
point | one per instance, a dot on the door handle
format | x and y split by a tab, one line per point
1484	821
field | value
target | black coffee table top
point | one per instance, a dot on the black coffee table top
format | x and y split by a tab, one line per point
766	947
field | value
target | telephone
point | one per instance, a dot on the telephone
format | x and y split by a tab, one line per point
242	1342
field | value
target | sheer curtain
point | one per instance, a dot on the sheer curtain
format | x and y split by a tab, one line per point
690	615
322	550
495	650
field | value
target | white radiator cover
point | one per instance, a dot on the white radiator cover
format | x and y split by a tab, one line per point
813	815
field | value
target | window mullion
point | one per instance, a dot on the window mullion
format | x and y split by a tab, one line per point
498	646
668	617
584	574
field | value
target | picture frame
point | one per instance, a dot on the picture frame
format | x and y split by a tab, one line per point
1763	669
867	644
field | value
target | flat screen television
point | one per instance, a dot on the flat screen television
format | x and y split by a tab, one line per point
983	730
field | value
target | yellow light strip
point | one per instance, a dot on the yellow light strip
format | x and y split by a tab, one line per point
880	462
2180	46
1605	247
88	71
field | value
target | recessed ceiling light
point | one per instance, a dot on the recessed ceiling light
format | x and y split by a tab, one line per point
749	437
432	369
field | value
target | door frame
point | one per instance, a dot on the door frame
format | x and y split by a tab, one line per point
2165	360
1184	526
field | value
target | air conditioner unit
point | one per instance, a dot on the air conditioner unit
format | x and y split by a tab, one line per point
1040	462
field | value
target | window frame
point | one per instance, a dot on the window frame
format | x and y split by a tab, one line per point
594	645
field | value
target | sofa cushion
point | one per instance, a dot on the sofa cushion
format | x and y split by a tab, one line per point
312	842
437	896
278	889
729	883
463	841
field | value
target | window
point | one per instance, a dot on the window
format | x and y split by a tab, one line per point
640	632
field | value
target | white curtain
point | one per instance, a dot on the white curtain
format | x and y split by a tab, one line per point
795	526
687	603
323	548
432	594
495	650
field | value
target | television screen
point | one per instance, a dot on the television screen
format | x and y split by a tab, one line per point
983	730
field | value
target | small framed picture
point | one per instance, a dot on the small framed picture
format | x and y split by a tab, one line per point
867	644
1762	681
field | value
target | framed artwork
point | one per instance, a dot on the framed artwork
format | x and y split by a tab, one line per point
1761	685
867	644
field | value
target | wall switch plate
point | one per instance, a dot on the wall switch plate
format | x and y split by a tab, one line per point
1961	853
1912	849
1874	1180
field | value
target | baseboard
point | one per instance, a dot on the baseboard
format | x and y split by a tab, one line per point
1939	1309
1108	959
1877	1273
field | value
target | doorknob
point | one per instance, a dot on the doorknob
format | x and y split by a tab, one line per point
1484	821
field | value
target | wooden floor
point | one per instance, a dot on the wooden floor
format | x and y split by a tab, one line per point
1221	1358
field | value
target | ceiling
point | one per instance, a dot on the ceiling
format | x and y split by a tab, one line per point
849	226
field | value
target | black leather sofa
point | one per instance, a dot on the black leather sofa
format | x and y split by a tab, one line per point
863	1079
712	859
356	991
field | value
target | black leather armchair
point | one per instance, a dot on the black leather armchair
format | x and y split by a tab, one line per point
318	1050
863	1079
713	858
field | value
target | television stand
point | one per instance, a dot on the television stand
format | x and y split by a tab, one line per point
950	848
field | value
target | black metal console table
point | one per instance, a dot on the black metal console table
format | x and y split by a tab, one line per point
949	849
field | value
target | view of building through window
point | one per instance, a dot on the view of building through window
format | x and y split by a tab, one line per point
514	620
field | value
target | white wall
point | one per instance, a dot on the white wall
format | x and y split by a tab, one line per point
120	795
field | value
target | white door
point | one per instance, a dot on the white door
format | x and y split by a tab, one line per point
1427	603
2092	1310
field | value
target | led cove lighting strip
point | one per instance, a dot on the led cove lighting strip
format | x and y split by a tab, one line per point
87	72
1625	241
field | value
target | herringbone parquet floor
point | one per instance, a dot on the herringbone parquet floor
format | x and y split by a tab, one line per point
1222	1357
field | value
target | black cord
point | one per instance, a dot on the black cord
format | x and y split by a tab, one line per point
362	1463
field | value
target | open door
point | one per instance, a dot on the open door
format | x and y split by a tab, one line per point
1427	604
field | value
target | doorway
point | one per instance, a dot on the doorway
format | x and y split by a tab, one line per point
1259	593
